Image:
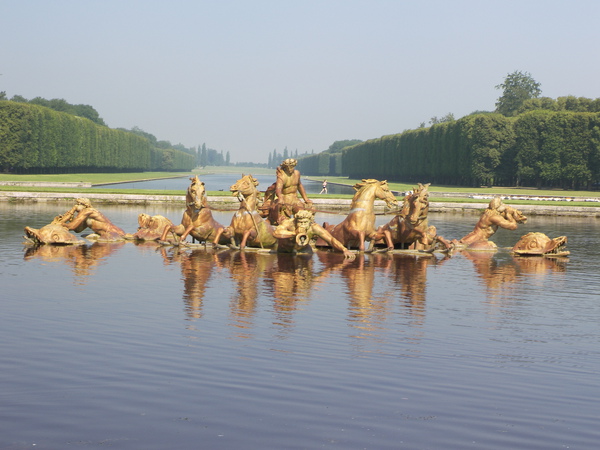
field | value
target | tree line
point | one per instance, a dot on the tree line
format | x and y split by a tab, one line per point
527	141
536	148
38	139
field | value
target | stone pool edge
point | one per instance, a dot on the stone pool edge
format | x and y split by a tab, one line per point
228	203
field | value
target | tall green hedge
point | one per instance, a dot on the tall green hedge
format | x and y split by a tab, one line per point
40	140
543	148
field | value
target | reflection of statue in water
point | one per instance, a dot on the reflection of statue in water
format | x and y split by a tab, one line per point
281	200
292	282
82	259
496	215
246	269
196	269
410	275
296	234
83	216
501	277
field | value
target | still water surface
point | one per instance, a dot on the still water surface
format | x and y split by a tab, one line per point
136	346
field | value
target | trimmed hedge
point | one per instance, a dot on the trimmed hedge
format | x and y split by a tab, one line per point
536	148
36	139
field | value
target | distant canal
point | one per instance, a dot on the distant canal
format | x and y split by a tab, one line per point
222	182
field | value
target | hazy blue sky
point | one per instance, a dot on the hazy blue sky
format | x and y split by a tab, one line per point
256	75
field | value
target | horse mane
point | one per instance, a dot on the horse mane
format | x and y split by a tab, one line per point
422	187
367	182
254	180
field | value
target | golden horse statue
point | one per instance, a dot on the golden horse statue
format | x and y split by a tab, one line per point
359	224
197	220
410	229
247	227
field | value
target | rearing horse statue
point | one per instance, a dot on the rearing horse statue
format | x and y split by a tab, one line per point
247	226
359	224
410	229
197	220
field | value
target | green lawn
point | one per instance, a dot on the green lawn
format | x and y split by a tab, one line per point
403	187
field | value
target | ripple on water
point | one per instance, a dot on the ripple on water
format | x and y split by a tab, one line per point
144	347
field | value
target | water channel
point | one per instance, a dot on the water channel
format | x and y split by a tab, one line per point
222	182
139	346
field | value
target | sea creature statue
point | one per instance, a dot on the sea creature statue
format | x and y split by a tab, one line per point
247	227
281	198
296	234
83	216
150	228
359	224
197	220
410	229
538	244
497	215
54	233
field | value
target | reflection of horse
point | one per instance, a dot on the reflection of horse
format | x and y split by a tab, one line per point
247	227
410	228
359	225
197	220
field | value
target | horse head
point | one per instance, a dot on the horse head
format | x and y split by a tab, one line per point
195	196
245	187
418	204
383	193
376	189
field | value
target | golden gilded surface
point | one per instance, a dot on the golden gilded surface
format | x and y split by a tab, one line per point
295	230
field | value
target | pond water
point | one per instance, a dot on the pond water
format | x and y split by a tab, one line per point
138	346
222	182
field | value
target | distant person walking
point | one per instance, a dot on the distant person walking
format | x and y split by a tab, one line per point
324	187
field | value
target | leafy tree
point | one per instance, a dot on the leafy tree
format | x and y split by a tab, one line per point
61	105
568	103
3	95
517	87
19	99
140	132
477	111
447	118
